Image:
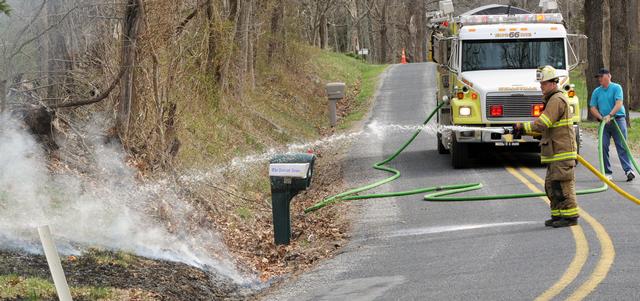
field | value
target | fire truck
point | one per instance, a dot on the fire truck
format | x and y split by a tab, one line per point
487	60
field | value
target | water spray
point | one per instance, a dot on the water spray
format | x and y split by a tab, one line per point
448	193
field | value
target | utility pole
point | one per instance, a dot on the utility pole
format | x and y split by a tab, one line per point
567	11
3	94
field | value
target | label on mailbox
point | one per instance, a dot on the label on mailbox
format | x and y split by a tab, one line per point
289	170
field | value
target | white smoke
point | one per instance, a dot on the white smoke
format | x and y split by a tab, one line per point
110	208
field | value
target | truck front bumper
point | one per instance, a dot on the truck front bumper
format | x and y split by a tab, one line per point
491	135
485	135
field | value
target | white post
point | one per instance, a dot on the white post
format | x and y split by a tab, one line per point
333	116
53	259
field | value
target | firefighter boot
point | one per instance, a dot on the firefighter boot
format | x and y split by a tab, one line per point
565	222
549	222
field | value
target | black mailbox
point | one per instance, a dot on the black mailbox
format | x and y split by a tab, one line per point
289	174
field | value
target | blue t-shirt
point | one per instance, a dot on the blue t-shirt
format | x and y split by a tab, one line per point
605	99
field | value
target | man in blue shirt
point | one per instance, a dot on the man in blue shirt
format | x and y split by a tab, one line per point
606	104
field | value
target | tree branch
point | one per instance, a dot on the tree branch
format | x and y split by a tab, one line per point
33	19
186	20
96	99
27	42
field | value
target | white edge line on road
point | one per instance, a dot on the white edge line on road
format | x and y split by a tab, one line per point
443	229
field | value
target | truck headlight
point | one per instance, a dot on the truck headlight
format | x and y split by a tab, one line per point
464	111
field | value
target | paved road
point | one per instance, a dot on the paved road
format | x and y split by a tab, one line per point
407	249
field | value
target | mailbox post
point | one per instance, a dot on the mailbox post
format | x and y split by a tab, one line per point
289	174
335	92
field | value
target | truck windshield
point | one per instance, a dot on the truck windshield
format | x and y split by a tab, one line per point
512	54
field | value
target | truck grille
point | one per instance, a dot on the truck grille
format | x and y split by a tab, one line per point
516	106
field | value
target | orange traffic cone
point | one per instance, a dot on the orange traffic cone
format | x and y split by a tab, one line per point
404	57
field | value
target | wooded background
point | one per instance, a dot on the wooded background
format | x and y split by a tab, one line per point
144	61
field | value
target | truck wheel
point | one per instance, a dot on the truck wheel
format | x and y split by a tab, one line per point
441	149
459	154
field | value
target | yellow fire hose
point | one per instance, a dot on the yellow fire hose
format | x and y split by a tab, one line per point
609	182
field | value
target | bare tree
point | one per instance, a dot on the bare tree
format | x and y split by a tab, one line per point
634	53
131	27
594	30
211	43
278	30
619	40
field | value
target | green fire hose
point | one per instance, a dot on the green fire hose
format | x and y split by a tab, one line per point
446	193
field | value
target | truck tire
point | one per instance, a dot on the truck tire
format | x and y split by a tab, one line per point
441	149
459	154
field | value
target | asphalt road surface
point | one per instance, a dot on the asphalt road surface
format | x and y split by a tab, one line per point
407	249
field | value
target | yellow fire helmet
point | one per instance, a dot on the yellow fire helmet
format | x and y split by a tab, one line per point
546	73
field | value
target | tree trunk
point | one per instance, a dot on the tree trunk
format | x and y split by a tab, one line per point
412	30
242	34
383	33
620	43
373	53
324	35
252	37
3	95
606	32
354	26
316	24
277	31
129	40
593	30
634	54
336	44
233	18
233	9
212	67
422	32
59	61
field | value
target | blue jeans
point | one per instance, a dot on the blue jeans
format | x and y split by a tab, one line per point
611	131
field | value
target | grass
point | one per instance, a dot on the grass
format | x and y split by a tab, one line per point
34	288
287	105
350	119
590	125
119	258
369	83
370	75
355	74
634	135
244	213
578	79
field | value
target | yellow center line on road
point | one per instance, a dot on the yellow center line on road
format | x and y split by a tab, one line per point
607	250
582	248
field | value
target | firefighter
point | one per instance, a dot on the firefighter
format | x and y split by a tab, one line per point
558	149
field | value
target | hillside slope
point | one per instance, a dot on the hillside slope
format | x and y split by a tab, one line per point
220	173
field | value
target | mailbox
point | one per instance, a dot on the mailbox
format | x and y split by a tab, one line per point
335	92
289	174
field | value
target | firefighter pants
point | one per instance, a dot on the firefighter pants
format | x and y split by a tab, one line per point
560	186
